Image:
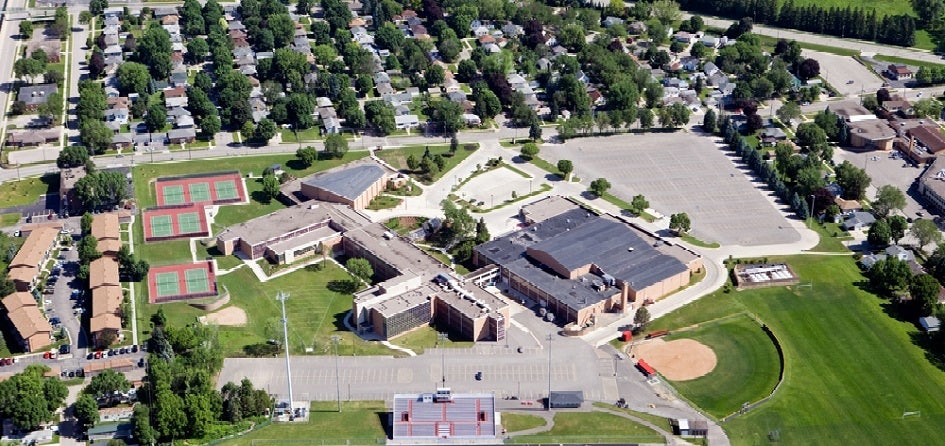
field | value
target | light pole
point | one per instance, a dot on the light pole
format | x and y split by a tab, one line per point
550	338
441	336
813	199
281	297
334	342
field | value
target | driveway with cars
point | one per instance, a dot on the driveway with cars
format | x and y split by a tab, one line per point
65	297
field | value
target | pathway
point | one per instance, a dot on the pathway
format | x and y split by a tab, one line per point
131	286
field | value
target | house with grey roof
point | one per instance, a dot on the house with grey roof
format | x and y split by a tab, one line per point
35	95
355	186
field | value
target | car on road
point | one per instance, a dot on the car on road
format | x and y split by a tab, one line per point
141	362
65	349
98	354
478	376
849	81
134	349
54	321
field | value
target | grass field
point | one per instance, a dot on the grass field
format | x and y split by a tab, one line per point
9	219
850	369
398	157
905	61
28	190
359	422
828	241
427	337
223	262
514	422
258	206
593	427
882	7
747	366
383	202
314	310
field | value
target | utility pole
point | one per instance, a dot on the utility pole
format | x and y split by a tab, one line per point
281	297
334	341
550	338
441	336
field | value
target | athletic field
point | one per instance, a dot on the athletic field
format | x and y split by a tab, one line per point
174	222
182	281
215	188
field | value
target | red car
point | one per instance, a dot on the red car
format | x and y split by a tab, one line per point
47	355
98	355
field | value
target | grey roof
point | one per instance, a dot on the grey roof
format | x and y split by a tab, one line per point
348	183
36	94
577	238
566	398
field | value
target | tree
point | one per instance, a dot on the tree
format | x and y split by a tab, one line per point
641	319
106	383
26	29
666	11
96	136
639	204
133	77
380	115
336	146
457	223
270	186
86	411
86	223
788	111
811	137
927	108
434	75
97	7
307	155
888	198
265	130
879	234
529	150
925	231
680	223
853	180
709	121
808	69
924	290
482	232
154	51
28	68
897	227
360	268
565	167
599	186
889	275
156	118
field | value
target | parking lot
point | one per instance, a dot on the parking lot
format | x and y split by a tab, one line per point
839	71
884	169
495	186
681	172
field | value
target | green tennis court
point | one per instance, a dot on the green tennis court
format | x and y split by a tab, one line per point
196	281
161	226
167	284
226	190
173	194
199	192
188	223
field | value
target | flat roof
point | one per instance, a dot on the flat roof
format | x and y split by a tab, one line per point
546	208
274	225
469	415
311	236
349	183
874	129
848	109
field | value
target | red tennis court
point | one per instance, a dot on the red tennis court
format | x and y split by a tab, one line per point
181	282
175	222
216	188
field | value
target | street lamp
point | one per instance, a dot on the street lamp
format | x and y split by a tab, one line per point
442	336
334	342
550	338
281	297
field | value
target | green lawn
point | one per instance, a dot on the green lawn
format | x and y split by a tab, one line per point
9	219
850	369
514	422
657	420
747	368
145	173
398	157
27	190
904	61
359	422
223	262
314	310
427	337
258	206
882	8
593	427
688	238
383	202
309	134
616	201
160	253
828	242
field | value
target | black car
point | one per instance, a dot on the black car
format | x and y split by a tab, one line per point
90	356
478	376
141	362
134	349
65	349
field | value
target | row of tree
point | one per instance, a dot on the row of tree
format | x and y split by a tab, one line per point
837	21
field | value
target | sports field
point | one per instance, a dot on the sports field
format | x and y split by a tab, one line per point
851	371
180	282
169	223
217	188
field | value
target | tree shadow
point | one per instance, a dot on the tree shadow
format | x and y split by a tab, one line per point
343	286
260	197
902	312
339	321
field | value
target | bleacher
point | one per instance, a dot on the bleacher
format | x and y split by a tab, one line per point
463	416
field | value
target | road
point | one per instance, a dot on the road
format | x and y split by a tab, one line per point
9	49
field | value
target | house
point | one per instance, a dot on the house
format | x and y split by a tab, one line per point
331	125
486	39
407	121
858	221
898	72
401	110
899	106
512	30
31	329
114	414
109	431
710	41
900	253
772	135
637	27
384	88
684	37
480	31
184	122
611	21
930	324
710	69
32	96
118	115
181	136
122	141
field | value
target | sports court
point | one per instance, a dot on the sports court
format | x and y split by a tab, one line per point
174	222
181	282
216	188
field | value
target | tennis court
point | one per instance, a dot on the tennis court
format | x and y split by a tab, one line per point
197	281
217	188
199	192
185	281
226	190
188	223
168	284
175	222
173	194
161	226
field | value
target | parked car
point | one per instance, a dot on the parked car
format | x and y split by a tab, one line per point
65	349
134	349
54	321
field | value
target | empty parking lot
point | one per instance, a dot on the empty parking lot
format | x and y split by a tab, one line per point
681	172
848	76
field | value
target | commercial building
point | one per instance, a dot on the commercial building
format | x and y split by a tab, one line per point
355	186
28	262
578	265
31	329
931	185
292	233
443	416
873	134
